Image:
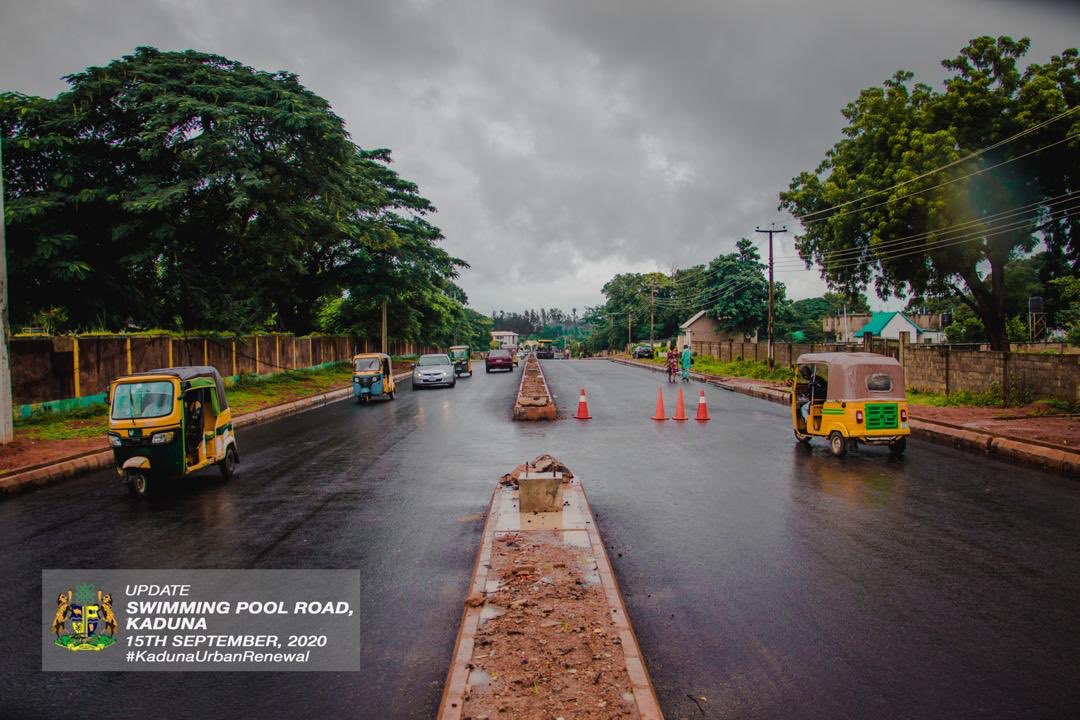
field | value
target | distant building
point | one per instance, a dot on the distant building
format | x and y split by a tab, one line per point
889	325
505	338
843	328
703	328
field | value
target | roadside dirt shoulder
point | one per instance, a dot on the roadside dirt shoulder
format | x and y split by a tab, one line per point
1019	422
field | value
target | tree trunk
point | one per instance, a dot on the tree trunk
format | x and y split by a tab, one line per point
995	320
990	305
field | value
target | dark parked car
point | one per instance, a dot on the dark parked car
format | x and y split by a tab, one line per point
643	351
500	359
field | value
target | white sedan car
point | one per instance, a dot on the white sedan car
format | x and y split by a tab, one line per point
434	369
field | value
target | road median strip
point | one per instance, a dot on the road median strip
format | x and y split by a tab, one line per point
544	632
84	463
1013	449
534	400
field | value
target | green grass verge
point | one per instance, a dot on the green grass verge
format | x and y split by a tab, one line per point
965	399
737	368
990	398
84	422
248	393
251	392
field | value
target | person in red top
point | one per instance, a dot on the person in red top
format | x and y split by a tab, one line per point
672	365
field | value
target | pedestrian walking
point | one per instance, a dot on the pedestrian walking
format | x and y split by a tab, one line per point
672	365
686	360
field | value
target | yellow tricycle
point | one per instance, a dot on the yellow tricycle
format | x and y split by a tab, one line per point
461	356
373	377
850	398
165	424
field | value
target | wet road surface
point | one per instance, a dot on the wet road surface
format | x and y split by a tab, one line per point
772	581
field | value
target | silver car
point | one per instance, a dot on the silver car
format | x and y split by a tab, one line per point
434	369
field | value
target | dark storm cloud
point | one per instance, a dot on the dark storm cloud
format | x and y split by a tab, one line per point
563	141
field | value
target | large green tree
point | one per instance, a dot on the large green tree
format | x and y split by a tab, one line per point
737	290
936	193
184	189
637	306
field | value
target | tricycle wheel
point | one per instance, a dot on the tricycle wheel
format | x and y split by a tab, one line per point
837	443
227	467
897	448
804	439
390	394
138	484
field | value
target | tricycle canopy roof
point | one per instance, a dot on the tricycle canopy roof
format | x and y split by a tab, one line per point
187	373
381	357
856	375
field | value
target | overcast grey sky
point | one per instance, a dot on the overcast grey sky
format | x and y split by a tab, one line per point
562	141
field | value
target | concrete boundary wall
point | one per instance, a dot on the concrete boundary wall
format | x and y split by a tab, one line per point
70	371
74	370
940	369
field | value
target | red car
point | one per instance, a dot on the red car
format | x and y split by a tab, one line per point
500	359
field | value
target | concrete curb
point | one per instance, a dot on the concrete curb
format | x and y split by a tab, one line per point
453	698
1001	447
95	460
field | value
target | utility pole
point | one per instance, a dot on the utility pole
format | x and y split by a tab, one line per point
629	342
383	327
7	431
652	318
770	231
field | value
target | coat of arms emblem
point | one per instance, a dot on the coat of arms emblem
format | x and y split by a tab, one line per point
84	620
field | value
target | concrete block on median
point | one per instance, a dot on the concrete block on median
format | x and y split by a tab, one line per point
540	492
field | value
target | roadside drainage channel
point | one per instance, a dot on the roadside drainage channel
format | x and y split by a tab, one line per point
85	463
1011	449
551	660
534	401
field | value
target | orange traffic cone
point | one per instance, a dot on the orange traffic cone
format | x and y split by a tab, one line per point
660	415
680	408
583	407
702	408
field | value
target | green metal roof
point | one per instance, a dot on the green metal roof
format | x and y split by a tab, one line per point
879	320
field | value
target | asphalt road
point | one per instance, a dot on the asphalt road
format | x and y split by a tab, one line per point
770	580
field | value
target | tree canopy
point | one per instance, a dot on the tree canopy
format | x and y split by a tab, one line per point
732	288
186	190
936	193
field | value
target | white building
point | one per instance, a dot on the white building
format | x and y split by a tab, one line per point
505	338
889	325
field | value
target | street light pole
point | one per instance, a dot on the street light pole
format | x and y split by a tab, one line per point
7	431
770	231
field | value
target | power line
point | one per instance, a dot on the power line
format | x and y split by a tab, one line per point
987	232
1031	210
1019	210
738	282
972	156
943	184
